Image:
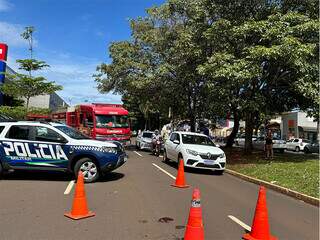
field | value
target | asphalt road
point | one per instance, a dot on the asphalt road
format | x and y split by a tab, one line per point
135	201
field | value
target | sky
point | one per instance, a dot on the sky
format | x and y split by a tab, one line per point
72	36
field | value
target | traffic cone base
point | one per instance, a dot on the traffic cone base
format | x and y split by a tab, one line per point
194	233
247	236
180	186
77	217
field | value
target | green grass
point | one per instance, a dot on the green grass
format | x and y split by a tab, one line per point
299	172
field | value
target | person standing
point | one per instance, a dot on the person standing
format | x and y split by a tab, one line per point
269	146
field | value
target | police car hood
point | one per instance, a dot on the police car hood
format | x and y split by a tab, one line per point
93	143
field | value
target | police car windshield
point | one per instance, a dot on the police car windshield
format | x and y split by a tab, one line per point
72	132
195	139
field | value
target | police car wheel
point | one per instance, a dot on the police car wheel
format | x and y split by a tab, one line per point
88	168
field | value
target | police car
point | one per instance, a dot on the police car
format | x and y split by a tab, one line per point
56	147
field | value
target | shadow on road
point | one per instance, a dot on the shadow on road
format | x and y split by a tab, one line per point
37	176
112	176
193	170
28	175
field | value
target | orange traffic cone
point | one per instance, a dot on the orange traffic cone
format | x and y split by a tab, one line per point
260	226
194	229
180	181
79	207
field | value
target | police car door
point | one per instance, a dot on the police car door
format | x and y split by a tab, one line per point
14	146
49	147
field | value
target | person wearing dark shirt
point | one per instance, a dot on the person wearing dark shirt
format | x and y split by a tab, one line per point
268	146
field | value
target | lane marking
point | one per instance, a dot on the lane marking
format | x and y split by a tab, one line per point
161	169
242	224
69	187
137	153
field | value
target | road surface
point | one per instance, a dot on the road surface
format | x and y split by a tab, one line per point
136	202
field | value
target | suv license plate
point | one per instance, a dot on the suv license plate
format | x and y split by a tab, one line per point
209	162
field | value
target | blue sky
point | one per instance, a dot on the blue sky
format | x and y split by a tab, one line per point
72	36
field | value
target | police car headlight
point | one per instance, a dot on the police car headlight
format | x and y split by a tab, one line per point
109	150
222	155
192	152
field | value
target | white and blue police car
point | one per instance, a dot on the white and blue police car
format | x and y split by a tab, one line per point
56	147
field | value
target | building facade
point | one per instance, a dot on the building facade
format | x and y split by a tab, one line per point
298	125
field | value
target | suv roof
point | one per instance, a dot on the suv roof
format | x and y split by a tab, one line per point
190	133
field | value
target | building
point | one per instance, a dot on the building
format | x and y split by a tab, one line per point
297	124
51	101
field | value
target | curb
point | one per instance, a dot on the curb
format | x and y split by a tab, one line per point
300	196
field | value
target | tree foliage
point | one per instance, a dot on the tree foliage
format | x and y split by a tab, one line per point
204	58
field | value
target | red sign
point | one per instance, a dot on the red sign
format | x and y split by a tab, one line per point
3	52
290	123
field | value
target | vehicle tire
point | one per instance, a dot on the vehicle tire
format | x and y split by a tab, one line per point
165	157
89	169
219	172
306	150
281	150
297	149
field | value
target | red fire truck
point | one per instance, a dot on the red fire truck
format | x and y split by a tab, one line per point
98	120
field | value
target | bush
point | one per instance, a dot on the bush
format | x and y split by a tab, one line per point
20	113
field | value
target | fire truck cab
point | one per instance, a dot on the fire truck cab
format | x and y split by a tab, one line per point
107	122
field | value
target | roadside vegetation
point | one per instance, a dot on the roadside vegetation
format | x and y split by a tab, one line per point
210	59
299	172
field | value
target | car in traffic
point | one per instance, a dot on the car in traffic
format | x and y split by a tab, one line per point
241	138
278	144
196	150
56	147
312	148
297	144
144	140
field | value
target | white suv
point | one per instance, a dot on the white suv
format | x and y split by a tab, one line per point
297	144
196	150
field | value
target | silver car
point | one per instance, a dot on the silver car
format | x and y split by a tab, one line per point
144	140
278	144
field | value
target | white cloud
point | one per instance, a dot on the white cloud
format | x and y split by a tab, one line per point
10	34
76	78
5	5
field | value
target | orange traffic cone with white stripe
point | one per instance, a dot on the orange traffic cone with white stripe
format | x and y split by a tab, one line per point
79	207
180	180
194	229
260	226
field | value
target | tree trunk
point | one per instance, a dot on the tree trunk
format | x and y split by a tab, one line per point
235	129
248	133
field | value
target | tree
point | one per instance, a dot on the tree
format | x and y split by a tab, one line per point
203	58
27	86
23	86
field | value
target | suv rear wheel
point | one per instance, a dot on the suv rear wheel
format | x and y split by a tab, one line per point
297	149
89	169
